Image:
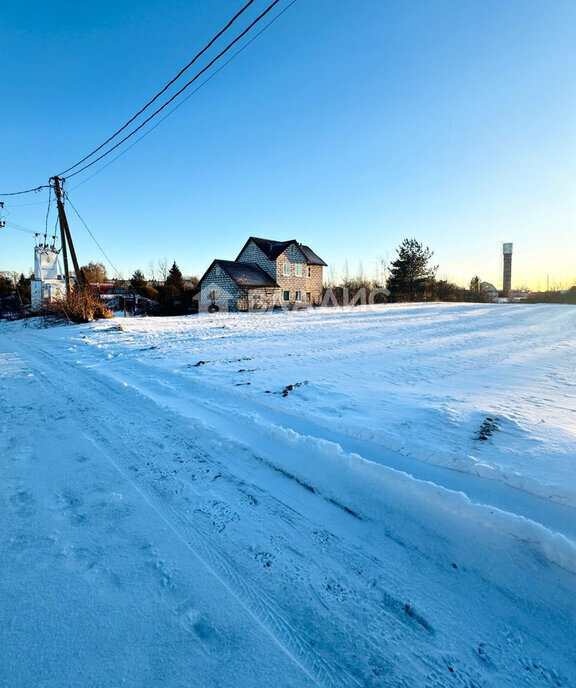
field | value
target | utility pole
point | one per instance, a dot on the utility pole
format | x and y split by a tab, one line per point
66	237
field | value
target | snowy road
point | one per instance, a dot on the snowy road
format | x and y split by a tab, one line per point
169	524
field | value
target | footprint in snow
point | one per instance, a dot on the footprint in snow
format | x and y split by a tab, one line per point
542	675
265	559
196	623
336	589
322	537
21	498
219	514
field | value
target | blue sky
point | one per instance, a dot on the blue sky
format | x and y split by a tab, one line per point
346	125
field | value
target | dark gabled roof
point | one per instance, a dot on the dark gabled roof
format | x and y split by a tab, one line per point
272	249
245	274
311	257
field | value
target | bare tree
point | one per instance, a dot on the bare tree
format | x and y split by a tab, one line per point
163	268
13	275
152	271
383	269
95	272
330	281
346	274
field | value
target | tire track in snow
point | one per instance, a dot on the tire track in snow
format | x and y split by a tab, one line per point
260	608
363	631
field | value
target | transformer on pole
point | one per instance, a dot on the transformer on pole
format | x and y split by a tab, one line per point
48	283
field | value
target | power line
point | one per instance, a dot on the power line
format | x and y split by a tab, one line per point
47	214
159	122
18	193
194	59
27	205
199	74
12	225
170	100
92	235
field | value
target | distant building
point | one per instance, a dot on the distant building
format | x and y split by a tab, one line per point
266	273
490	290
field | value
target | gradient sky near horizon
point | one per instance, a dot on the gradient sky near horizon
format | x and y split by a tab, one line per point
346	125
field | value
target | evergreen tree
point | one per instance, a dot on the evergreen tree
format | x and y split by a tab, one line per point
6	286
475	283
175	280
23	289
138	281
411	274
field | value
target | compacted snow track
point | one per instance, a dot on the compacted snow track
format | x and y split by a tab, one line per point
162	530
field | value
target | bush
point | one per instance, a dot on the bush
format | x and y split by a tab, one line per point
80	306
568	297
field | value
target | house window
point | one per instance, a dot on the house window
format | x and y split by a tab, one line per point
286	269
217	270
308	271
298	269
213	295
298	296
286	296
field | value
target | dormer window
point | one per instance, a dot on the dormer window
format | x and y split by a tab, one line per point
298	269
286	269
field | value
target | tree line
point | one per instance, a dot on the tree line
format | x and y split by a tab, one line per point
171	295
411	277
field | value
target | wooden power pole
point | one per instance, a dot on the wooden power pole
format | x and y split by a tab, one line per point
66	237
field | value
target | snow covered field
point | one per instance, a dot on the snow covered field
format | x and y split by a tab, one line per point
291	499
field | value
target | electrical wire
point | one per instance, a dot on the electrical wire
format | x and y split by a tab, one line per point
18	193
12	225
27	205
47	213
194	59
170	100
197	76
101	169
92	235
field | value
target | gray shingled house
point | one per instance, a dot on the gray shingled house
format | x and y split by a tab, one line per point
265	273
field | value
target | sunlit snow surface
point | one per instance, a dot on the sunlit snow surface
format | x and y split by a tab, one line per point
291	499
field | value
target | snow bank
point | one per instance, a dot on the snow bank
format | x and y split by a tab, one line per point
366	488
